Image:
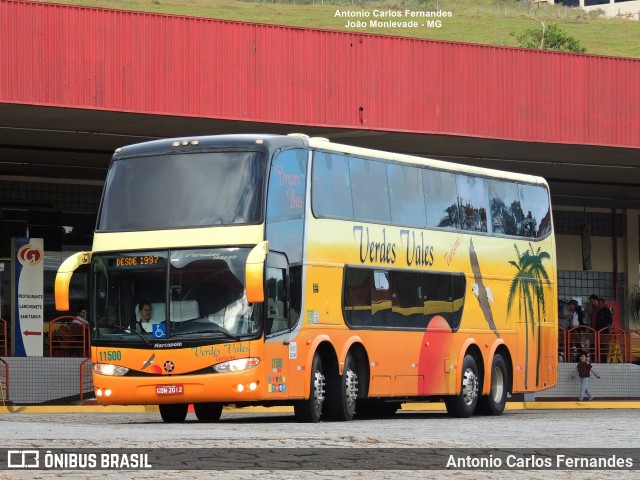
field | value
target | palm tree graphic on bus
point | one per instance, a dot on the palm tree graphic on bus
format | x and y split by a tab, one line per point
528	285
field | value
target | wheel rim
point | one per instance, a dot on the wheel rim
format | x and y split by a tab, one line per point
497	385
318	390
469	386
351	387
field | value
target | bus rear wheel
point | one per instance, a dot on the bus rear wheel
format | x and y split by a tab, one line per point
173	412
464	404
208	412
495	402
310	410
342	398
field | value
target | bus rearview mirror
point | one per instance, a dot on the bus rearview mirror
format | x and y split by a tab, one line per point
63	278
254	273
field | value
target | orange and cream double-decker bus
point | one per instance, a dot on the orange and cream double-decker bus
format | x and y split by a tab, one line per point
288	270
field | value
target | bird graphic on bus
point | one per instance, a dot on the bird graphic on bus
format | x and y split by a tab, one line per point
148	362
482	293
476	291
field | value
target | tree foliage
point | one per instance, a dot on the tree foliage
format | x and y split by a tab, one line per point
527	286
549	38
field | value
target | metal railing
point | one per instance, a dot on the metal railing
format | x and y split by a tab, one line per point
86	382
4	382
68	339
608	345
4	338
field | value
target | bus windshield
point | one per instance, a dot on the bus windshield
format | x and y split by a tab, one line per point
157	192
160	295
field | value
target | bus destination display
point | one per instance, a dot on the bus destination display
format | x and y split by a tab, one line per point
136	261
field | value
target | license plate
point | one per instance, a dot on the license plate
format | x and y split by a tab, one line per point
169	389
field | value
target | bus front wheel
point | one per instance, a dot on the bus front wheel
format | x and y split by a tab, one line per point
208	412
310	410
495	402
173	412
464	404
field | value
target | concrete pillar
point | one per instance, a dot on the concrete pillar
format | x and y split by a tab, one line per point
632	260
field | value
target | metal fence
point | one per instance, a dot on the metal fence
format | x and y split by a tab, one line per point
45	380
62	380
4	338
4	381
68	337
609	345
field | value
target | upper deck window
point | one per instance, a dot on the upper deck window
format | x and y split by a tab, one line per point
406	195
506	211
332	197
439	196
363	189
189	190
472	201
536	211
287	184
369	190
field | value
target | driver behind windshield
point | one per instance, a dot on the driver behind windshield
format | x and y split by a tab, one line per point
144	309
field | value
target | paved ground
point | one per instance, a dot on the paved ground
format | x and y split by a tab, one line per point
537	429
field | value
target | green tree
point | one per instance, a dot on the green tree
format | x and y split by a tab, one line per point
520	286
527	285
540	278
548	38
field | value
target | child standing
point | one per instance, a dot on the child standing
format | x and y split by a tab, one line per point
584	370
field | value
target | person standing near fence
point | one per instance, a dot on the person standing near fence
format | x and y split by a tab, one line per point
564	315
577	318
604	320
591	310
577	315
81	315
584	370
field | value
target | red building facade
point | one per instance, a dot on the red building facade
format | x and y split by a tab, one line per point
90	58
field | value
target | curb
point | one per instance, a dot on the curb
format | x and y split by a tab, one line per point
512	406
409	407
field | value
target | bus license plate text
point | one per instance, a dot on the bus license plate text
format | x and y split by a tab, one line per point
169	389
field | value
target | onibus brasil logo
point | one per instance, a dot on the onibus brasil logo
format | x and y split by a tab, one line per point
28	255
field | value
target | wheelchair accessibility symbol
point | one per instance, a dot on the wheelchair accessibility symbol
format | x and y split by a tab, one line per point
160	330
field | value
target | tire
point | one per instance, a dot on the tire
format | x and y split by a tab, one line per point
343	395
208	412
367	409
174	412
464	404
495	402
310	410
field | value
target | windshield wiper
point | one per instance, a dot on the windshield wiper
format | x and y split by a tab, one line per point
127	330
226	333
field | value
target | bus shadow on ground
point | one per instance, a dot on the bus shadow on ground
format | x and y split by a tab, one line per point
286	418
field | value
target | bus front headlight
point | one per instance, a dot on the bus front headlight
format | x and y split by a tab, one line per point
110	370
236	365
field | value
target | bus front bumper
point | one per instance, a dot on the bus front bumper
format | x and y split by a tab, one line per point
233	387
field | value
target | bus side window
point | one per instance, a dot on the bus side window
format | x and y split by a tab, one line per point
381	300
276	301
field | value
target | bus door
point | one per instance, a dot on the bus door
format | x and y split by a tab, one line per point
277	328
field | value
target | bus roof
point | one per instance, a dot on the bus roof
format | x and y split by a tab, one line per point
324	144
273	141
205	142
